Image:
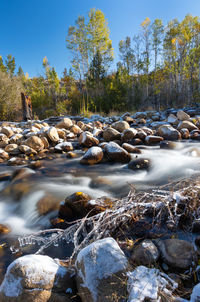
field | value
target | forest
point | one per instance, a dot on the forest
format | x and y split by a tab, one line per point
158	68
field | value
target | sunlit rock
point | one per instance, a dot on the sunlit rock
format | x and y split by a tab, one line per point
93	156
110	134
116	153
37	278
34	142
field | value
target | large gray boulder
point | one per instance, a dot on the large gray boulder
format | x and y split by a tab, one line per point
101	269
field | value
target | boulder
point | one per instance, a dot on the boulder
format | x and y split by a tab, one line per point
74	206
121	126
131	149
45	142
148	131
3	154
101	268
35	143
116	153
37	125
146	253
16	161
168	132
152	139
4	229
53	134
129	119
80	204
141	134
188	125
182	116
37	278
136	141
111	134
142	121
4	140
177	253
65	123
61	133
185	134
140	115
27	150
7	131
12	149
80	124
172	119
140	164
93	156
75	129
64	146
168	145
16	139
86	139
129	134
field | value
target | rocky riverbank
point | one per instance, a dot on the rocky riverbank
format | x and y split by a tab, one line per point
144	246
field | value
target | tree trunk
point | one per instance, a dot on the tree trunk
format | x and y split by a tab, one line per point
26	107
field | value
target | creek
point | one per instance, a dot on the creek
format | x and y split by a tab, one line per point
59	177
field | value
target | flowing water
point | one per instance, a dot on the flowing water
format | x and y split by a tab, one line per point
61	177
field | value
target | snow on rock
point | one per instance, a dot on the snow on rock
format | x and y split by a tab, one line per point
32	277
93	156
99	266
146	283
195	296
116	153
64	146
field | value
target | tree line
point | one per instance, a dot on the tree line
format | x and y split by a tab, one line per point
158	68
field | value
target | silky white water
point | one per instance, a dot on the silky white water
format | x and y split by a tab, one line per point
99	180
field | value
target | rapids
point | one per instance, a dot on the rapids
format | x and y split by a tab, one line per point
62	177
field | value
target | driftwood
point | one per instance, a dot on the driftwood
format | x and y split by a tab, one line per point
26	107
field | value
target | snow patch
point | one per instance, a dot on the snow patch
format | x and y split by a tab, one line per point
145	283
93	151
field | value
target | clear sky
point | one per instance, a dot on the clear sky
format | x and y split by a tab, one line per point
33	29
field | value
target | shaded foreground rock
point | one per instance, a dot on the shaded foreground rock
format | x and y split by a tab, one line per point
177	253
101	268
145	253
37	278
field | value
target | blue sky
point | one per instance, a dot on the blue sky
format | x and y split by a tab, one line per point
33	29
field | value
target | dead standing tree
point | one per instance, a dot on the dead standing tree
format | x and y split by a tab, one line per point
26	107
